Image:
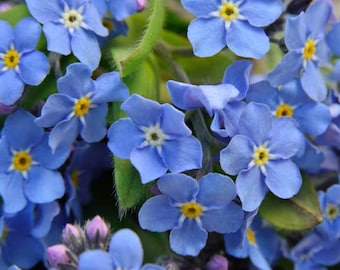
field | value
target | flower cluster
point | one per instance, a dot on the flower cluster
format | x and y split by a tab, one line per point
148	114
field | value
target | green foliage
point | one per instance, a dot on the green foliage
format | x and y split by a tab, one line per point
15	14
298	213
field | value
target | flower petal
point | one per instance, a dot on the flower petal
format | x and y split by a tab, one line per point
57	37
11	87
172	122
201	7
45	11
95	124
95	259
33	67
7	36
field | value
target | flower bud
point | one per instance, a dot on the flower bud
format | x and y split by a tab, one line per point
141	4
57	254
217	262
70	232
97	226
6	109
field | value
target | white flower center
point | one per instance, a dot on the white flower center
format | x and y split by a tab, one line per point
73	18
154	135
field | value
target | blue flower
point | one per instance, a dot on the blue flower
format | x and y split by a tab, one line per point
237	24
119	9
304	38
255	240
20	64
158	139
70	26
191	209
125	252
27	164
222	101
260	156
80	106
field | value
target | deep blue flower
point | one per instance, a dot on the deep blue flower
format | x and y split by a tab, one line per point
20	64
70	25
260	156
125	252
305	40
27	164
80	107
158	139
223	102
191	209
237	24
255	240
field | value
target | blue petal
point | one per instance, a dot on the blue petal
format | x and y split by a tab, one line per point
287	69
313	83
201	8
95	259
11	189
283	178
44	215
330	254
238	74
313	118
223	220
295	32
27	33
126	249
184	95
317	16
157	214
6	155
251	189
43	154
286	139
93	20
136	104
207	36
21	131
258	259
237	155
11	87
256	122
101	6
57	138
182	154
333	194
77	81
33	67
254	11
109	87
80	42
189	239
216	190
95	124
333	38
180	187
263	92
43	185
120	144
7	36
148	163
45	11
120	9
172	122
55	109
57	37
246	40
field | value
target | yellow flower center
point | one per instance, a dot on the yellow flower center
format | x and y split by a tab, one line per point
75	178
82	106
191	210
251	236
108	24
11	58
284	110
261	155
3	233
309	49
332	211
21	161
229	11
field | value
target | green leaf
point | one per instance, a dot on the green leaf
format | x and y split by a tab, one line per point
298	213
129	188
129	60
15	14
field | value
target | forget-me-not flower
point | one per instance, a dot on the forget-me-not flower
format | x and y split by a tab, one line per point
80	107
119	9
191	209
235	23
154	138
260	156
27	164
307	51
20	63
70	26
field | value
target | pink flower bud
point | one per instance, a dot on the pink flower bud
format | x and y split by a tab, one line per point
217	262
97	226
6	109
70	231
141	4
57	254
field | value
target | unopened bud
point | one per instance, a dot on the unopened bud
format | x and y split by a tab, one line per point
141	4
70	232
57	254
97	226
217	262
